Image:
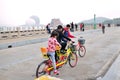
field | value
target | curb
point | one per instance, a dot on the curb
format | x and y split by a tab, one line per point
106	67
22	43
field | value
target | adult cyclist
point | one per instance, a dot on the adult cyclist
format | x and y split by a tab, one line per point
61	36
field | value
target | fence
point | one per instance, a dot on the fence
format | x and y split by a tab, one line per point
15	32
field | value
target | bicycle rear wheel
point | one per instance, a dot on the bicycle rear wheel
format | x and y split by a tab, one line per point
41	69
73	60
82	51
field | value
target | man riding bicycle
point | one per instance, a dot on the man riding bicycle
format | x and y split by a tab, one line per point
61	36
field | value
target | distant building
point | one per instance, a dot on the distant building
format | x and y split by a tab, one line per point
55	22
116	21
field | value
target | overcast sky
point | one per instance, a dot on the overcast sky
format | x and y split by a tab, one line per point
16	12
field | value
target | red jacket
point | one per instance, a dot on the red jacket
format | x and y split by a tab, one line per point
68	33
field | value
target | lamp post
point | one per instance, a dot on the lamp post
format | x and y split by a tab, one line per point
94	21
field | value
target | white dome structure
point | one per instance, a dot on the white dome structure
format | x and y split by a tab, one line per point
36	19
30	22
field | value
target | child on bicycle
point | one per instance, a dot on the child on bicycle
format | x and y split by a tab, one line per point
52	43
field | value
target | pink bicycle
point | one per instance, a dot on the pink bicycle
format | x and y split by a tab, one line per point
80	48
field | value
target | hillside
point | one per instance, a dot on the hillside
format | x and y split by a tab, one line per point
98	20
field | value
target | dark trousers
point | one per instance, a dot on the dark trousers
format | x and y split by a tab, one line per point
103	31
63	44
49	31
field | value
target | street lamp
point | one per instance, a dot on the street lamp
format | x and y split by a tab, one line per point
94	21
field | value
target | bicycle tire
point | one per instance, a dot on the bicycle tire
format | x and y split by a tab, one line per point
72	59
41	70
82	51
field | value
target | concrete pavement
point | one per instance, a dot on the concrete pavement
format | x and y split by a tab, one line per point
20	62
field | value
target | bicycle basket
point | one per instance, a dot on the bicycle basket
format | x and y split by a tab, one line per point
81	41
44	52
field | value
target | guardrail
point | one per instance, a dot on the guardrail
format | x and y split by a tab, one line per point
22	32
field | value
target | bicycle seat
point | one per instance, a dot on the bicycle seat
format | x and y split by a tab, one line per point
44	52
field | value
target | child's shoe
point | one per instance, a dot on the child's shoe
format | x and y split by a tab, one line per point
56	72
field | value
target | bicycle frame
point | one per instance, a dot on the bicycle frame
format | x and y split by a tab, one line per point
62	61
80	49
78	45
47	67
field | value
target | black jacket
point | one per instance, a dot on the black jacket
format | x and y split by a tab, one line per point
60	36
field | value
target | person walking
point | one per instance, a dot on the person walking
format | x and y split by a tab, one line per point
72	27
76	26
80	26
103	28
48	28
83	27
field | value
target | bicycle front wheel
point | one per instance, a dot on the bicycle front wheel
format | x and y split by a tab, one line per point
41	69
73	60
82	51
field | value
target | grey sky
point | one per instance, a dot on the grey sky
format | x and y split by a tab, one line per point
16	12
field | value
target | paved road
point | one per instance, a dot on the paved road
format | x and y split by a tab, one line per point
19	63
